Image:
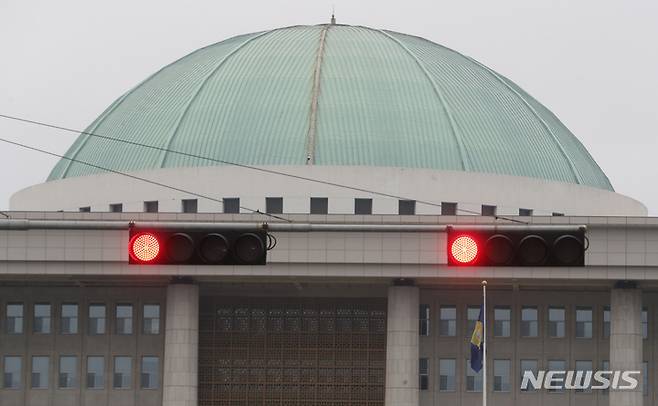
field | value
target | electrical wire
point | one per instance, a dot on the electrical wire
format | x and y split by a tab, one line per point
254	168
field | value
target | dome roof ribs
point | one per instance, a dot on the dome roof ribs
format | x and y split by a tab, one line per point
315	94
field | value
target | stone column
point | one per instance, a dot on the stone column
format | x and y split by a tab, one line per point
402	346
626	340
181	345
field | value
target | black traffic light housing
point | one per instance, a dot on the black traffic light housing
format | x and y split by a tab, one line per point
522	246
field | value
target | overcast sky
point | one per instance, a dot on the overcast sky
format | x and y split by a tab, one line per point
594	63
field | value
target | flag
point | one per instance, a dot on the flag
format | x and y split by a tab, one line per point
477	343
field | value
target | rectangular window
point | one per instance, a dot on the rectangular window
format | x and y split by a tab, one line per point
149	376
96	319
501	375
85	209
557	365
274	205
42	318
473	379
448	209
447	369
151	206
530	365
582	367
502	321
488	210
319	205
95	372
14	318
124	319
116	208
645	378
39	377
189	205
424	319
423	373
645	323
605	366
472	315
12	372
231	205
406	207
556	322
583	322
606	322
122	376
448	321
525	212
152	319
558	214
362	206
529	322
68	371
69	322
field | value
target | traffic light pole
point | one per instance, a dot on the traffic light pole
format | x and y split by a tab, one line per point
486	343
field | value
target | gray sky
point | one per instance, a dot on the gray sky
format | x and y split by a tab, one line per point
594	63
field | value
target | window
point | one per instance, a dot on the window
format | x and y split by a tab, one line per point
501	375
69	322
40	372
151	206
95	372
530	365
406	207
556	322
122	377
529	323
124	319
68	376
96	319
583	322
42	318
557	365
424	318
448	321
645	378
472	315
473	379
116	208
502	321
423	373
362	206
558	214
12	372
149	376
605	366
447	375
448	209
525	212
231	205
645	323
152	319
274	205
580	381
488	210
606	322
85	209
319	205
189	205
15	318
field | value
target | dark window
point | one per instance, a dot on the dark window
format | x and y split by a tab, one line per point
501	375
583	322
152	319
69	321
116	208
423	373
96	319
42	318
606	322
124	318
488	210
362	206
231	205
151	207
68	371
558	214
15	318
424	318
189	205
472	316
12	372
525	212
502	321
39	377
122	372
645	323
448	209
406	207
473	379
529	323
556	322
447	375
149	376
448	321
95	372
319	205
85	209
274	205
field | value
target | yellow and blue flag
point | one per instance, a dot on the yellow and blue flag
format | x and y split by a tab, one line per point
477	343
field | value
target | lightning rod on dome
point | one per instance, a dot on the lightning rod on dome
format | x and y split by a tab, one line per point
333	15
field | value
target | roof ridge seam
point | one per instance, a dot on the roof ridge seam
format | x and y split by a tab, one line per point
451	120
315	95
534	112
181	117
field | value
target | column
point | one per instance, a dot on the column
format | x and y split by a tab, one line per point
181	345
626	340
402	346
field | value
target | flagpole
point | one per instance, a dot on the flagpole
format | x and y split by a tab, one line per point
486	343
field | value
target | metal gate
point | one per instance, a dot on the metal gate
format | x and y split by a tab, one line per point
293	351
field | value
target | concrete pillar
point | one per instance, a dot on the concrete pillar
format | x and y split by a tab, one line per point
402	346
181	346
626	340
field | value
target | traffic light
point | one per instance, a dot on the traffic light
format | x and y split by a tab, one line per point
220	247
522	246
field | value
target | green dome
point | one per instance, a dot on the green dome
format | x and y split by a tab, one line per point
333	95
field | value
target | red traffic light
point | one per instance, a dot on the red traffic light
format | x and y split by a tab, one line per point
144	248
464	250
